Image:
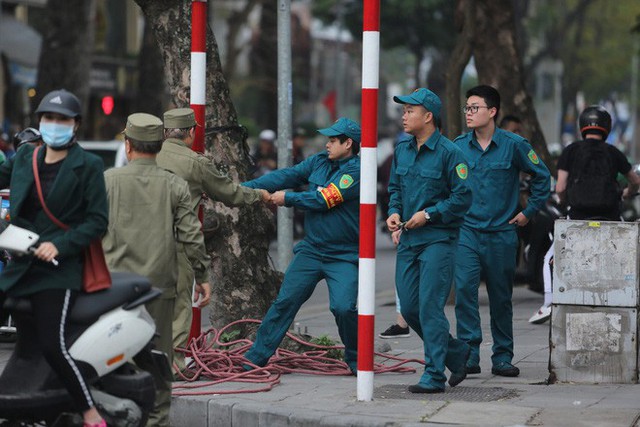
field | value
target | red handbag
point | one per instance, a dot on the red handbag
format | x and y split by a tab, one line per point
95	273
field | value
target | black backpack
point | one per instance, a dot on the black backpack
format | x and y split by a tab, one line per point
592	186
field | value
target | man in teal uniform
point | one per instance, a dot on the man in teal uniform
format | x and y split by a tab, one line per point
488	241
329	249
428	197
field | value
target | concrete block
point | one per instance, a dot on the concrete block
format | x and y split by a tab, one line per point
596	263
594	344
246	415
189	412
220	413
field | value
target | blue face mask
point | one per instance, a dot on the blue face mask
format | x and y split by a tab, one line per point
55	134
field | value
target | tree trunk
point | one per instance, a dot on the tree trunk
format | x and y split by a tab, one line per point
465	11
500	65
244	284
152	93
67	43
487	32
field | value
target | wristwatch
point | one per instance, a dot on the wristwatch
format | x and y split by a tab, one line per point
427	216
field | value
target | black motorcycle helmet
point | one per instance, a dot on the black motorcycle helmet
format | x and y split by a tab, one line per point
61	102
595	119
26	136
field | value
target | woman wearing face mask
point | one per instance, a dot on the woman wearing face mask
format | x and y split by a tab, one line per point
73	188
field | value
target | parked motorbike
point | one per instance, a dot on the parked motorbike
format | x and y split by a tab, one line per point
109	335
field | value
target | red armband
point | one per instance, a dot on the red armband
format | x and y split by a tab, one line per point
332	196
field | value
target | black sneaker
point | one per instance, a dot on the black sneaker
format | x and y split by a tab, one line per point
420	389
395	331
505	369
473	369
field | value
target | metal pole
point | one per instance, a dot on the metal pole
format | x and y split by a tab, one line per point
635	64
199	68
198	103
368	185
285	95
340	66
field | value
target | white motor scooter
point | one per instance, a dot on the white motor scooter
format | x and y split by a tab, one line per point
108	332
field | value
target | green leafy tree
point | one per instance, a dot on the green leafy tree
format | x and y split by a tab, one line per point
592	40
415	25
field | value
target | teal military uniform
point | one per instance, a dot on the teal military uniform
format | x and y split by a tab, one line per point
488	243
329	250
432	178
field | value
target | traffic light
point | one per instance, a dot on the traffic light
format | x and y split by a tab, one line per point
107	105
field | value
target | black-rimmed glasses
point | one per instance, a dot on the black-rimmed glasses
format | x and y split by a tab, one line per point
472	108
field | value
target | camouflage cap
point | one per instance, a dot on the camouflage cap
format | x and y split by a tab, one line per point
144	127
179	118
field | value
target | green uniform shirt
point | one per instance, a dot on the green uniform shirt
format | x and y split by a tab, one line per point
150	213
494	179
203	176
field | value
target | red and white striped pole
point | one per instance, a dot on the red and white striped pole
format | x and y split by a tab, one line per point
198	101
368	185
199	68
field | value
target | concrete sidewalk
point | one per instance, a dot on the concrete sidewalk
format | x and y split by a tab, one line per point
481	400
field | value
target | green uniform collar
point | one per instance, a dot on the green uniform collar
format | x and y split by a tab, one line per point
176	141
431	142
474	140
144	162
342	162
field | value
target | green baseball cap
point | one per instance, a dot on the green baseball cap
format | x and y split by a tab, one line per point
144	127
424	97
179	118
343	126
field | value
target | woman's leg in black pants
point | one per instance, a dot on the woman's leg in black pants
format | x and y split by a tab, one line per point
50	310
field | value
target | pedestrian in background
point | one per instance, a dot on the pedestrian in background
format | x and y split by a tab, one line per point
265	157
298	142
150	215
203	178
488	240
428	197
73	187
399	329
587	183
511	124
6	147
28	136
329	249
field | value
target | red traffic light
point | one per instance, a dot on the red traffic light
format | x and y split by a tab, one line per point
107	104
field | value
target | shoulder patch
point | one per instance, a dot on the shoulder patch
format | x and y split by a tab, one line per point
462	170
346	181
533	157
